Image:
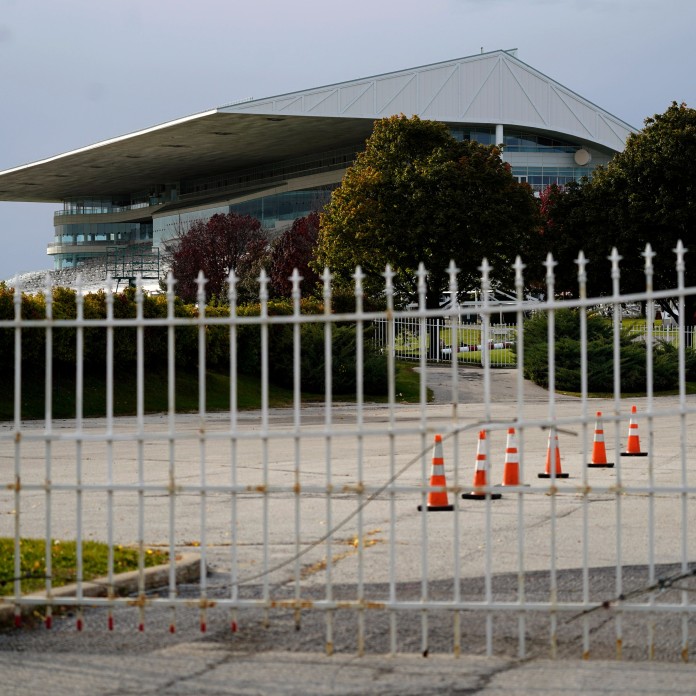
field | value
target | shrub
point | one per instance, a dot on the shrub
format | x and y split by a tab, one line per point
280	344
600	356
313	363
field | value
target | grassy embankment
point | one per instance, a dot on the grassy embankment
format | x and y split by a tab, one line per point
156	394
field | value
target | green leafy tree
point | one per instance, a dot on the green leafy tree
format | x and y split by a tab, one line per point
645	195
417	194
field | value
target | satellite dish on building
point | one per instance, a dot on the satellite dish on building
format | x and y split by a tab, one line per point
582	157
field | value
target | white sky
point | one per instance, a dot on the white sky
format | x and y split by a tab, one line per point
74	72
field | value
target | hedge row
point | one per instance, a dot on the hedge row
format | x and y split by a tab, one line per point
600	356
280	345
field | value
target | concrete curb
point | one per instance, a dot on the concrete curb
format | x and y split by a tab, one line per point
188	569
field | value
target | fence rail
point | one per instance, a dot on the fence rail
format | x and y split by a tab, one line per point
473	344
664	334
330	507
476	343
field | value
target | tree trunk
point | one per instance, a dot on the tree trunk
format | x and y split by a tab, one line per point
432	301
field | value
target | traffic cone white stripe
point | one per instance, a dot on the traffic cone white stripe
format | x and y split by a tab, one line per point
633	444
599	452
511	472
480	472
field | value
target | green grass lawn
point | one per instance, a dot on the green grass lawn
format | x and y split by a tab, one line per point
498	356
95	557
156	394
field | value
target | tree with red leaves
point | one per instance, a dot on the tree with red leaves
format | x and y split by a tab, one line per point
548	199
216	246
294	249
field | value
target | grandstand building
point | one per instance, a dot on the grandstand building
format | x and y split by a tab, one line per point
279	158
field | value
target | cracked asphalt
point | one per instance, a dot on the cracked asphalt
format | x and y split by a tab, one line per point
270	654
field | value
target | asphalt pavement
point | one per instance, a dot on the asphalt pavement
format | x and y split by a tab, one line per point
268	655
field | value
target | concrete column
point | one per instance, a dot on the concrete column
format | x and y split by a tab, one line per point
499	135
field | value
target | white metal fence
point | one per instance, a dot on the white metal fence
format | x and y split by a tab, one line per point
473	344
664	333
476	343
325	508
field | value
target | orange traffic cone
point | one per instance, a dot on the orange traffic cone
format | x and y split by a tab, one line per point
599	451
633	444
511	472
556	457
481	472
437	500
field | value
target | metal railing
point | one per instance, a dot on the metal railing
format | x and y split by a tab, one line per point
666	332
473	344
326	508
470	338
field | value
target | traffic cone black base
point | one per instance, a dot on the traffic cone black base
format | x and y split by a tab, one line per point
604	465
545	475
481	496
437	508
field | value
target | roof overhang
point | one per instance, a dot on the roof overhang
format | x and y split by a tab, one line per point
490	88
204	144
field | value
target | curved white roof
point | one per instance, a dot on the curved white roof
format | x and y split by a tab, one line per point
490	88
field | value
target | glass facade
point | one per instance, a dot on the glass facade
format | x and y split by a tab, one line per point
96	235
535	159
541	177
274	211
285	207
483	135
515	140
97	206
95	232
530	142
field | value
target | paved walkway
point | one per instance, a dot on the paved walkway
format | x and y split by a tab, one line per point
210	668
503	386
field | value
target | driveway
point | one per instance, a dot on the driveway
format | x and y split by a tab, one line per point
471	386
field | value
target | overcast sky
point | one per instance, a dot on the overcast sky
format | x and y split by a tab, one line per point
75	72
